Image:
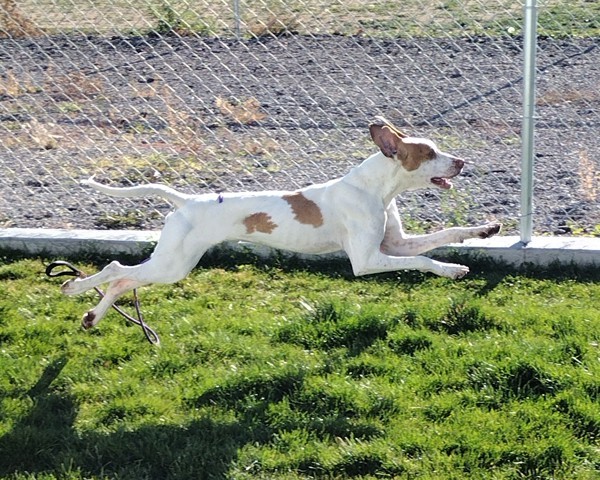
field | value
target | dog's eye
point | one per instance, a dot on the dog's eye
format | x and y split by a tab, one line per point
429	153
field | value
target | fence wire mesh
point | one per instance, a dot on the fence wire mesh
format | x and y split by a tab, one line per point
240	95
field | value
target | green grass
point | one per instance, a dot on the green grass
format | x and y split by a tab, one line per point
280	372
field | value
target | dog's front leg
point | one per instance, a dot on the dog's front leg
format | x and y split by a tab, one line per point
366	258
397	243
380	262
418	244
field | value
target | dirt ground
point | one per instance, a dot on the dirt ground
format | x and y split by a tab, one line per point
207	114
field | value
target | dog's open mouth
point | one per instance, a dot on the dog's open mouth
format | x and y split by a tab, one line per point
442	182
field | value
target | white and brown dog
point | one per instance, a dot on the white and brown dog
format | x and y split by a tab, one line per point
356	213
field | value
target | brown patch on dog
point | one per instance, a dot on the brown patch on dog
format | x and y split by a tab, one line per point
259	222
412	155
491	231
305	211
390	141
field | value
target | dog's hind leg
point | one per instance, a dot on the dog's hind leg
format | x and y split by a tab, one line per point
176	254
114	291
159	269
81	284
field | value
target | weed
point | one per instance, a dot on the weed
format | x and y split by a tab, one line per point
40	135
568	95
276	25
183	126
463	316
176	18
456	207
73	86
69	107
169	20
147	89
115	221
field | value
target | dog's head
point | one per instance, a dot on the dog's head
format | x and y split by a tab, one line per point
420	158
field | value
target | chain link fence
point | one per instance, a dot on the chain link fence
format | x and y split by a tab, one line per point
237	95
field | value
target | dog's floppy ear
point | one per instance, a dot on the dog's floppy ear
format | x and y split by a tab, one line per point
387	137
384	122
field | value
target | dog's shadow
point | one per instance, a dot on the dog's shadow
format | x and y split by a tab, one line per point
489	273
46	441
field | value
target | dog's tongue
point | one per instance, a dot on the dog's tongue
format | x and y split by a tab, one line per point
441	182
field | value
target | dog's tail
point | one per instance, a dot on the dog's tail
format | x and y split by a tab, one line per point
168	193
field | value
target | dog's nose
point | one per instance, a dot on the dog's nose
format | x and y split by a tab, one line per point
459	163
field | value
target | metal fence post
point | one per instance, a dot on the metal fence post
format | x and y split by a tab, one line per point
528	129
236	13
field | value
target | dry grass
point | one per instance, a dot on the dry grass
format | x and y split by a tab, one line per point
267	17
247	144
73	86
588	176
13	24
183	126
276	25
10	86
14	87
244	112
568	95
146	91
33	135
41	135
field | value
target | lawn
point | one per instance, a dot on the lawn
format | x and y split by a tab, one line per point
283	371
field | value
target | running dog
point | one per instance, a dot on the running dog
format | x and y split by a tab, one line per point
356	213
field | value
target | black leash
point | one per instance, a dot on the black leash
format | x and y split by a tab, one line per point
71	271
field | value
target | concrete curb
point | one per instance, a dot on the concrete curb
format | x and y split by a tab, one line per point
541	251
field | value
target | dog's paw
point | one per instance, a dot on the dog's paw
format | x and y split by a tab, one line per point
88	320
490	230
453	271
67	287
72	287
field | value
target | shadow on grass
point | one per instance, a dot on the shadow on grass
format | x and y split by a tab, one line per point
45	441
481	268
